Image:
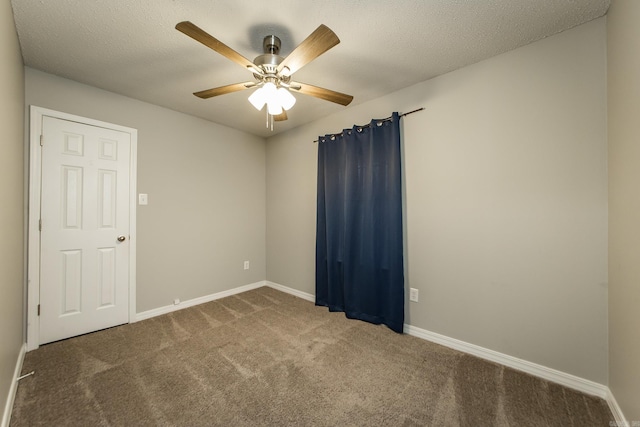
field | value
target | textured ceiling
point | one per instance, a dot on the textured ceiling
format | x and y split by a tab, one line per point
131	47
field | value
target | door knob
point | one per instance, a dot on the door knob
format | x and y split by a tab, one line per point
121	238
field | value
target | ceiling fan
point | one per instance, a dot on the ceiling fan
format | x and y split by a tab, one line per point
272	73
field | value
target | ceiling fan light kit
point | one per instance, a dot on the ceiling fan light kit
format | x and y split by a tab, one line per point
276	99
272	73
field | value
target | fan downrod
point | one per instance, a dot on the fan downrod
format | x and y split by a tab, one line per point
270	60
271	44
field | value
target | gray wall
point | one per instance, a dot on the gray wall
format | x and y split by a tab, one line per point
206	186
11	200
506	201
623	34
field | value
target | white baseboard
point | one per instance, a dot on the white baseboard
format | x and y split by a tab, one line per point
558	377
207	298
8	407
201	300
621	421
295	292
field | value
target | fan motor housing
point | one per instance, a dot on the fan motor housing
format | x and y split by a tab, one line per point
269	62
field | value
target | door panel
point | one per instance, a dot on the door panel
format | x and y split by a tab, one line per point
84	269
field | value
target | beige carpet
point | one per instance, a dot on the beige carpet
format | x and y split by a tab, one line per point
267	358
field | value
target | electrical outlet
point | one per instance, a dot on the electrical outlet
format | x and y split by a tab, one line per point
246	265
413	294
176	301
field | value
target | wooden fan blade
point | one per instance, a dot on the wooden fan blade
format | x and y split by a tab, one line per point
222	90
318	42
281	117
208	40
322	93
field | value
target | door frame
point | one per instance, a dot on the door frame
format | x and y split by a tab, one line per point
33	240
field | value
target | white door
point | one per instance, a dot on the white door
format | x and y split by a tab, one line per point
84	246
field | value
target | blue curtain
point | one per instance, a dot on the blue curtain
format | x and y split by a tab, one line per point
359	259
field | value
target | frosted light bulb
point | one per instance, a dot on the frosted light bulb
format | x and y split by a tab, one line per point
274	108
258	99
287	100
269	90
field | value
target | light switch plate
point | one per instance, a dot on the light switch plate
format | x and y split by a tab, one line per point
143	199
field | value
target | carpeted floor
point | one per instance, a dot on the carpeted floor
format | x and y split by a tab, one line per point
266	358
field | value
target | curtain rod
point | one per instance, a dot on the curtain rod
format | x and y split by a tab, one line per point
382	120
